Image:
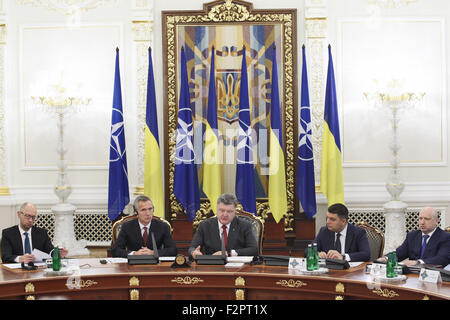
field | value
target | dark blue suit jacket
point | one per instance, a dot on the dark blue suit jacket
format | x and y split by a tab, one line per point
436	252
356	243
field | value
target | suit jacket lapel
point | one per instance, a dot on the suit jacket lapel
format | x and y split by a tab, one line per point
431	242
18	240
137	231
232	233
349	238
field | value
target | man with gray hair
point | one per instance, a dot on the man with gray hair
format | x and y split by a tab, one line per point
236	233
430	244
19	241
135	235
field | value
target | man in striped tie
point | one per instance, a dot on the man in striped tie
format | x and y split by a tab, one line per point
19	241
135	235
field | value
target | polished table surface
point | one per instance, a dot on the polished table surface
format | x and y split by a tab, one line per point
199	282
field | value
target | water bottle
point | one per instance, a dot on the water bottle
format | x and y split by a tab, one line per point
56	259
390	271
316	256
310	258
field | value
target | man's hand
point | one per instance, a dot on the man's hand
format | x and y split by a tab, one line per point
219	253
410	262
322	255
196	252
26	258
333	254
63	252
382	260
143	251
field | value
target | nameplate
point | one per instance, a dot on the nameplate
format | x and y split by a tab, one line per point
431	276
296	264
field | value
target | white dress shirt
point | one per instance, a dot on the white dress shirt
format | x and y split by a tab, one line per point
233	252
342	239
23	241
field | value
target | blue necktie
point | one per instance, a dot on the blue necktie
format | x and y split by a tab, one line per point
27	243
424	244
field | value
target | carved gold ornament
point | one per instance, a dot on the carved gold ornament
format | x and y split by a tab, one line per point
291	283
339	298
77	283
29	288
187	280
134	282
240	294
134	294
239	282
385	293
30	298
340	288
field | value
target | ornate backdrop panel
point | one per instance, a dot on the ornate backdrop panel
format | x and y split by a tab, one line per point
228	26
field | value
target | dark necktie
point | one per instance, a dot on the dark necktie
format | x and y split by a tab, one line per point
424	244
27	243
224	235
337	243
145	236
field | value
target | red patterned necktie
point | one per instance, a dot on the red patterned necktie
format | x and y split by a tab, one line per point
224	235
145	236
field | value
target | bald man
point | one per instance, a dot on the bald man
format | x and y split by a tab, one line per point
430	244
19	241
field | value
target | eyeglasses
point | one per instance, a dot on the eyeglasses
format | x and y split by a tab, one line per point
27	216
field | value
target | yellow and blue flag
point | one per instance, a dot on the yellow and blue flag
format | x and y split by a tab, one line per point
331	177
245	178
186	187
212	182
306	186
118	190
153	186
277	176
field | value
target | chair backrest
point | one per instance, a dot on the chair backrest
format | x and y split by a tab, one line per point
258	226
376	240
117	226
447	229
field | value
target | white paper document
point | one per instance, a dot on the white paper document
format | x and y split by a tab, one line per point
234	264
116	260
166	258
242	259
355	264
40	255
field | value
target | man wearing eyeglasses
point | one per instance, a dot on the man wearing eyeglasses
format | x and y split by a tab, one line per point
19	241
135	235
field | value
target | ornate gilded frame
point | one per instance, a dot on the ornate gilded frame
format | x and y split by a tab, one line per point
233	12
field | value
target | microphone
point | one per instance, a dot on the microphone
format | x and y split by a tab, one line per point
28	267
155	247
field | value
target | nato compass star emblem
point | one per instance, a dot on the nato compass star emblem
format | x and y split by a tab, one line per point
294	263
184	148
305	137
117	131
424	274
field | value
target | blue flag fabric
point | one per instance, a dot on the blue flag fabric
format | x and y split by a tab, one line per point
305	177
118	191
245	179
186	187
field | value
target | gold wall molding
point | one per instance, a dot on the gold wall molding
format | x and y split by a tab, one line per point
66	7
4	191
234	12
187	280
291	283
142	34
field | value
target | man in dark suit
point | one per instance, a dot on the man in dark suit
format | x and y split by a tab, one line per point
340	239
430	244
238	235
19	241
135	235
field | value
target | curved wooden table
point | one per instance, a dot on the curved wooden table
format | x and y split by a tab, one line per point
121	281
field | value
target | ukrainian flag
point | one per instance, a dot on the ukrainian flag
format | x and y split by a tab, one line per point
153	186
212	185
331	178
277	176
